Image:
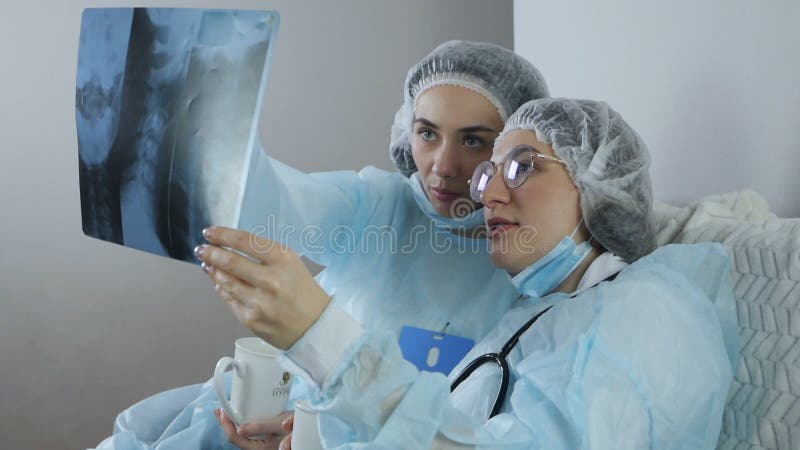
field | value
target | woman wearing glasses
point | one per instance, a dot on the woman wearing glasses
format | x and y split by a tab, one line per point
391	242
608	346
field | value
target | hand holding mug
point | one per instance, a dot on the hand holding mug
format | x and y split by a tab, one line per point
259	388
276	432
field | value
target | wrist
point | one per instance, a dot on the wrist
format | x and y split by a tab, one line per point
322	348
316	305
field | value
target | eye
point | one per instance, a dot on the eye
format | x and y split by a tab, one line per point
517	171
427	134
474	142
524	167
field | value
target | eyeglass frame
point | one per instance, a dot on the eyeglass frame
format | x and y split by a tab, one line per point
534	154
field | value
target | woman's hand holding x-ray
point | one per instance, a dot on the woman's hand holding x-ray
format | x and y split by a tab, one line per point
270	291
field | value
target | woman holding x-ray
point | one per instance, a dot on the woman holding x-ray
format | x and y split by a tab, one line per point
609	346
430	253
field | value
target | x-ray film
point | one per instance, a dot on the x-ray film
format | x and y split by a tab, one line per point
167	107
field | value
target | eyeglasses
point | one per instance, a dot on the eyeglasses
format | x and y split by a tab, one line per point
517	167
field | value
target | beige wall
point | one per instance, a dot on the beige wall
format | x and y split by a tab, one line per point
88	328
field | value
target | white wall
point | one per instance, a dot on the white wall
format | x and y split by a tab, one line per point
87	328
712	86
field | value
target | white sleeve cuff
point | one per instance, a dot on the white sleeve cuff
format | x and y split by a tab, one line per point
320	350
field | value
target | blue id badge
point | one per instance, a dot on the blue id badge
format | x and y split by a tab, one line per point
433	351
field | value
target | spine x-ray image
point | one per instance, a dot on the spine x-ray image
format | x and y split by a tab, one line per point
167	106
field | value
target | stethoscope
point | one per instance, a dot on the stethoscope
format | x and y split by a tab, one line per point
499	358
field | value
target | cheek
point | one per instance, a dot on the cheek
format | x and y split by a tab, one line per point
535	206
547	206
421	158
471	161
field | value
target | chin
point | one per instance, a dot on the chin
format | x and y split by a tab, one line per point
442	209
509	260
500	259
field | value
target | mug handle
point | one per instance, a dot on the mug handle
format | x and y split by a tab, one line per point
238	368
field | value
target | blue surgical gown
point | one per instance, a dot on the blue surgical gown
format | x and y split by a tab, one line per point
390	261
641	362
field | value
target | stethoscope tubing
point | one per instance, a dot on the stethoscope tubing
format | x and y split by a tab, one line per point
501	360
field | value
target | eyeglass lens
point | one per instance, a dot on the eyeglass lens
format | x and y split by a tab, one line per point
516	169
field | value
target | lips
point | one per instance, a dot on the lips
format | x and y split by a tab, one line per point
444	195
499	225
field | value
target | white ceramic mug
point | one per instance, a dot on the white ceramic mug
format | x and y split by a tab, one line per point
305	432
260	387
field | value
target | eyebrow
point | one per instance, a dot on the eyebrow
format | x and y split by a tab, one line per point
470	129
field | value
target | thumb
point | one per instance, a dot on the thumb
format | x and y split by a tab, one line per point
286	443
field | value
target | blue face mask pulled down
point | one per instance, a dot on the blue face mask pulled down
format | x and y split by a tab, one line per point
544	275
468	222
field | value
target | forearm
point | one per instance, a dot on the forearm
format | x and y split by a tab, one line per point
297	209
371	396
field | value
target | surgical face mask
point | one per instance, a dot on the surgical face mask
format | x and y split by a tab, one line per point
469	221
544	275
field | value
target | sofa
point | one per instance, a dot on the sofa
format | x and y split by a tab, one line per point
763	406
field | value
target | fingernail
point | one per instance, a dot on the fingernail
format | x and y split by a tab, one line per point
207	232
198	251
285	422
242	430
206	267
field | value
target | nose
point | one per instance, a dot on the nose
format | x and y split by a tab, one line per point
445	161
496	192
